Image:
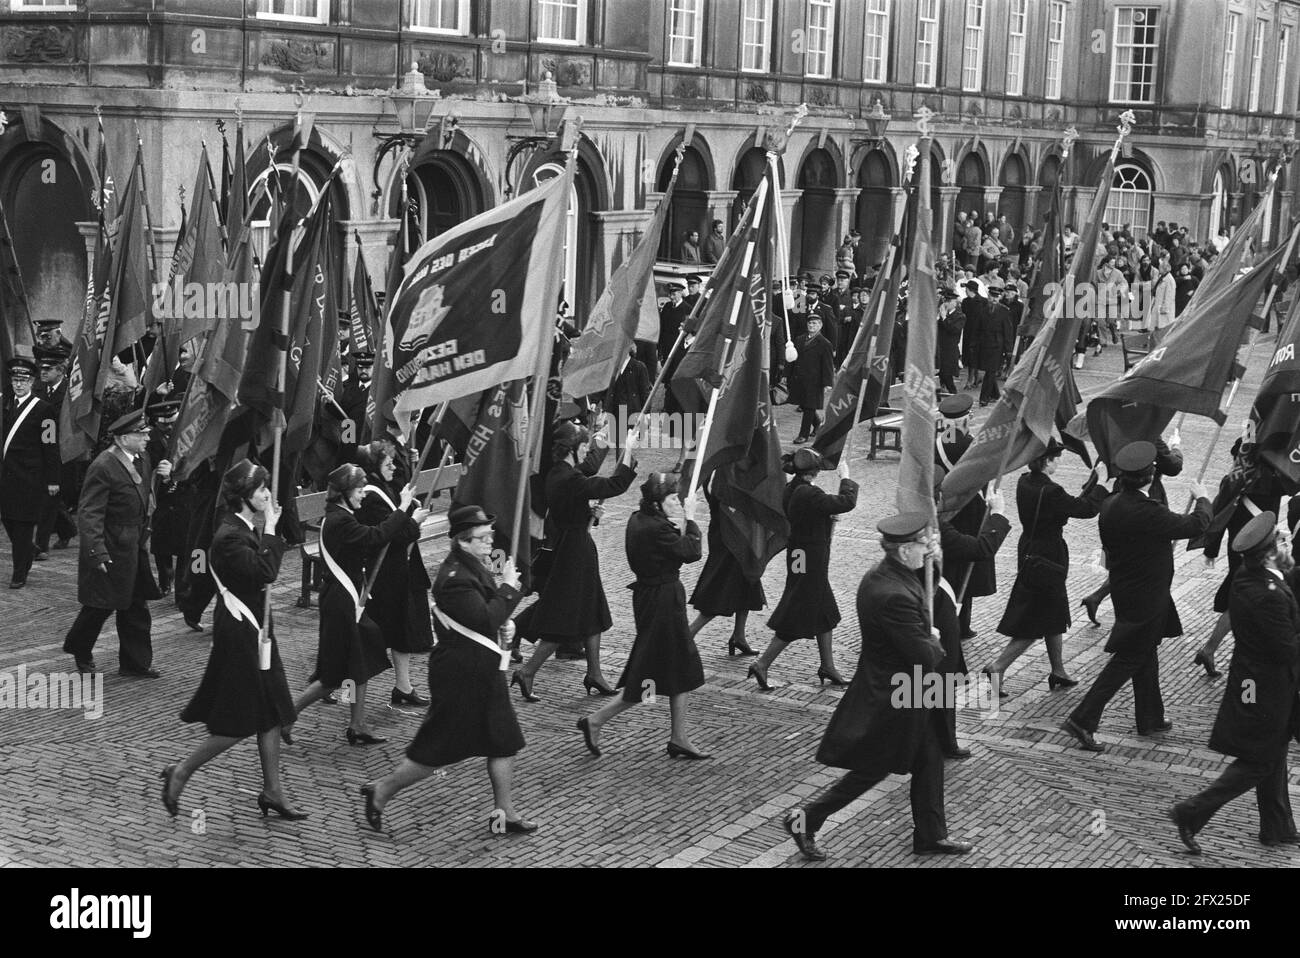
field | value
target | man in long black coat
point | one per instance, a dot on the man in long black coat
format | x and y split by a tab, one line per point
1260	711
950	445
996	341
1136	533
113	573
881	727
29	465
976	310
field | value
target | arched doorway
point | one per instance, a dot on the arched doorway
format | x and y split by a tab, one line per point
44	199
582	279
971	181
1011	202
814	214
442	192
284	197
749	173
1130	199
690	205
874	216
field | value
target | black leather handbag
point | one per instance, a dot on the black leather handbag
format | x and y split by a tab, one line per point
1038	572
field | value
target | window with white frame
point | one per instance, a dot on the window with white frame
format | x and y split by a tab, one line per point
42	6
972	52
1283	55
927	41
1055	49
755	30
440	16
684	22
562	21
1130	199
1229	60
1256	64
1134	51
820	38
875	56
1016	47
303	11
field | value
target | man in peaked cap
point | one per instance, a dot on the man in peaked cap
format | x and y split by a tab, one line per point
1259	708
1137	532
875	731
113	574
29	464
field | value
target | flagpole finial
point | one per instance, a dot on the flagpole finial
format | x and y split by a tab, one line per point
1126	121
239	112
799	114
924	117
1067	141
909	161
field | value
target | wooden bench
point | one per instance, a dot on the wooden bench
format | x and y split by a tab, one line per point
311	512
886	431
1134	347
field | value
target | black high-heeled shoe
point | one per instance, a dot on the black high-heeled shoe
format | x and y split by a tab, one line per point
266	805
759	674
408	698
830	675
590	686
1090	606
374	817
1055	682
740	648
172	805
676	751
995	678
520	826
584	725
525	687
364	738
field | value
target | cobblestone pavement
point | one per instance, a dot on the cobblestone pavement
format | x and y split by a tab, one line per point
1027	797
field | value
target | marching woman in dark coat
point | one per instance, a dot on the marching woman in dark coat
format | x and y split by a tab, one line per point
243	691
1260	711
572	604
399	600
881	728
469	710
351	647
663	660
1040	609
807	607
723	589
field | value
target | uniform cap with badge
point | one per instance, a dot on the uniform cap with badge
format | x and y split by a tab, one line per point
132	422
1256	536
903	527
1136	458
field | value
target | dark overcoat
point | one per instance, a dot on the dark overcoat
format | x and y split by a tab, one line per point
1136	533
350	649
469	702
948	347
816	365
807	606
113	523
30	459
1032	612
572	603
399	601
236	697
722	588
1259	708
664	652
968	520
869	733
960	551
976	310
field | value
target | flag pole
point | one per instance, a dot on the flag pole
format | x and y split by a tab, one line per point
782	240
537	412
1250	349
760	199
282	372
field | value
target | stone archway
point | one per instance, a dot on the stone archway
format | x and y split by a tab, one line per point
690	202
815	212
874	216
1012	200
45	188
